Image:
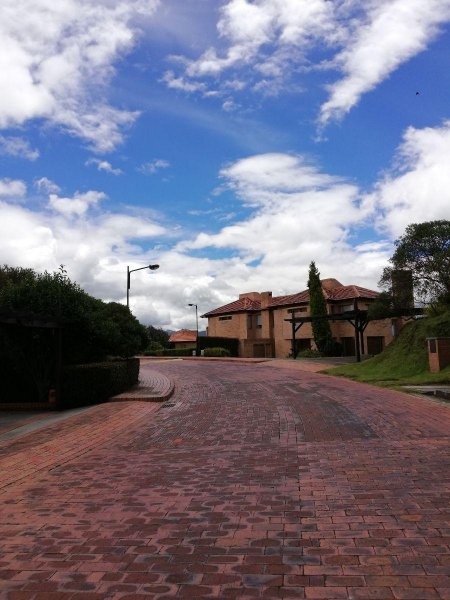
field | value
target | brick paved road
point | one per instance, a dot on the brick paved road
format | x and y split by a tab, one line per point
258	483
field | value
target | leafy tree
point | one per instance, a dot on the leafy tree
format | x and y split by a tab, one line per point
157	335
92	329
424	249
318	308
382	308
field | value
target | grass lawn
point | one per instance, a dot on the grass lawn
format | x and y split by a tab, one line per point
405	361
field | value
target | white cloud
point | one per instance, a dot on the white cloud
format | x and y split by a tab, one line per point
103	165
229	105
419	188
180	83
17	147
395	31
76	206
152	167
296	213
56	59
12	188
44	184
249	26
263	43
300	214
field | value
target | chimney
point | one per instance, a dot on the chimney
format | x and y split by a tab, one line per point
266	298
250	295
402	288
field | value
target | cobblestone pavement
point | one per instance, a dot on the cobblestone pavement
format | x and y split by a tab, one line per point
251	482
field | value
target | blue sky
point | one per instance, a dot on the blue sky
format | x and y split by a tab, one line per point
230	141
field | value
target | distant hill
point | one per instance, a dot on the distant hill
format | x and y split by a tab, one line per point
405	360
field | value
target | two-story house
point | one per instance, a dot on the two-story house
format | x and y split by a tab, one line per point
258	320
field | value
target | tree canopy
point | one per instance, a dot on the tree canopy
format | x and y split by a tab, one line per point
156	335
424	249
93	329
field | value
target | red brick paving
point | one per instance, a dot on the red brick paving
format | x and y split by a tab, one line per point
257	483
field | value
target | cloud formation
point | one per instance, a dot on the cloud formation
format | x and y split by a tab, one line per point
12	188
17	147
418	188
152	167
264	42
56	59
296	213
104	165
394	32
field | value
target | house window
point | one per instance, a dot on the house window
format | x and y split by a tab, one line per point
249	321
258	321
341	308
292	311
227	318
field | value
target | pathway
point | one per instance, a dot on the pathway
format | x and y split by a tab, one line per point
250	482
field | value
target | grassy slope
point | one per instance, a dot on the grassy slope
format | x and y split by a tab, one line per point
405	360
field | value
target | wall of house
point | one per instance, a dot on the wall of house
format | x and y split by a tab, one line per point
184	344
274	336
342	331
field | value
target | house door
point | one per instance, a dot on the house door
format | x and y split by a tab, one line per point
259	351
348	346
375	344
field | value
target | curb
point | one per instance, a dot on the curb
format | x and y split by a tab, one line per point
153	387
227	359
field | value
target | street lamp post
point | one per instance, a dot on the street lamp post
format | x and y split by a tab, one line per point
151	267
196	321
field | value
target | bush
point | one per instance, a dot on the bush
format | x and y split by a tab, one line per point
309	354
96	382
333	348
230	344
178	352
216	352
153	349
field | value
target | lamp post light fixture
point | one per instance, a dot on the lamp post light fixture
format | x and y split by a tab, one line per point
151	267
196	322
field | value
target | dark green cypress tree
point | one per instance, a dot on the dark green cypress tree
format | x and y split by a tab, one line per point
318	308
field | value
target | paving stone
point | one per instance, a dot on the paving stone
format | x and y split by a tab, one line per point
255	482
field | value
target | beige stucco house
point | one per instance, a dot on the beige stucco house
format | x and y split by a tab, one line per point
258	320
185	338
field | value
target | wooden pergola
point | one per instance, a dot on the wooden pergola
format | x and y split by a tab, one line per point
359	319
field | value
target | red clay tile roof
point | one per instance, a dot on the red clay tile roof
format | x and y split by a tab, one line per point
300	298
241	305
184	335
340	292
348	292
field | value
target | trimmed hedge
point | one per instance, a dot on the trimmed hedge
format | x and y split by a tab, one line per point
230	344
216	352
96	382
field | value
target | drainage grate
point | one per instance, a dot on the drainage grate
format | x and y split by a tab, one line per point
168	405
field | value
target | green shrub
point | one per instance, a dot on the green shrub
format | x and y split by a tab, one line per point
309	354
153	349
216	352
153	353
96	382
178	352
230	344
333	348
